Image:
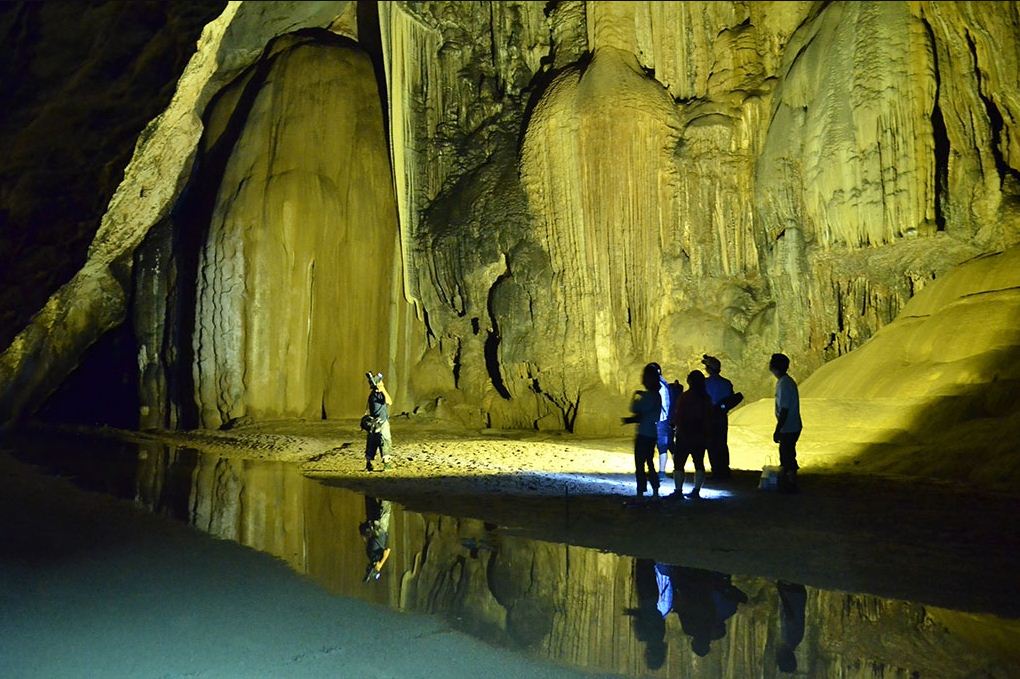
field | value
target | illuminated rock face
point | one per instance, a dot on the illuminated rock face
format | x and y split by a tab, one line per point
296	277
591	187
931	394
719	177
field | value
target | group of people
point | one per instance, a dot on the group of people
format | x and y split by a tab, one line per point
693	422
704	601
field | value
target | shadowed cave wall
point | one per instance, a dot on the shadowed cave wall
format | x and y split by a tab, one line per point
592	186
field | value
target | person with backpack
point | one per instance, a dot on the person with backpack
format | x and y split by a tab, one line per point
376	422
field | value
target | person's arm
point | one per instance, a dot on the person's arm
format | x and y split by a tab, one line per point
386	394
382	562
780	421
783	401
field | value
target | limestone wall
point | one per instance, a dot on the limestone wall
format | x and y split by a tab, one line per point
580	187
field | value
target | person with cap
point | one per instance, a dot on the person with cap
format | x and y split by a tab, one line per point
788	422
719	390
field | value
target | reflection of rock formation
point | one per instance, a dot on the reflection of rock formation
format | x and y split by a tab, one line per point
569	604
593	185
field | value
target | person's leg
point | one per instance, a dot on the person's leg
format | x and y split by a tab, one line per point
385	443
679	462
663	441
724	446
788	459
718	453
698	453
639	467
371	446
649	456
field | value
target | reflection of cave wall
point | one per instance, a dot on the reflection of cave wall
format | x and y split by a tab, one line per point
283	292
566	603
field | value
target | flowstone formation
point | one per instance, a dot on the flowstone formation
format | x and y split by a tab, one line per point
288	262
579	188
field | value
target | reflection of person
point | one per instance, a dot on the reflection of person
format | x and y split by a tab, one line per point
375	531
719	388
788	423
378	411
664	428
649	626
792	603
704	601
691	421
645	407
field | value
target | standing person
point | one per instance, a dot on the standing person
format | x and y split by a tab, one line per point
690	420
664	427
377	422
645	407
788	423
719	389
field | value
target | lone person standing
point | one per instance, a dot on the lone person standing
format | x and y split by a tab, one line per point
377	423
719	389
788	423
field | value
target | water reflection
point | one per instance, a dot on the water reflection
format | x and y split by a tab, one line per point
572	605
375	531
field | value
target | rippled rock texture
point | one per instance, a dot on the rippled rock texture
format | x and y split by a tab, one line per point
580	187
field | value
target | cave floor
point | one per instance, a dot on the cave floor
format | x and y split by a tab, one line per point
82	571
929	541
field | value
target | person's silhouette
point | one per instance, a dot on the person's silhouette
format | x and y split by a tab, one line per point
704	601
375	531
792	605
649	624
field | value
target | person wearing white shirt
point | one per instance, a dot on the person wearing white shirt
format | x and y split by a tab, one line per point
788	422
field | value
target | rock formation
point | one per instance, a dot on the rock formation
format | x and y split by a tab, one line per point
591	186
931	394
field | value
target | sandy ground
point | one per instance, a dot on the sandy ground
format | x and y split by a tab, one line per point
928	541
91	586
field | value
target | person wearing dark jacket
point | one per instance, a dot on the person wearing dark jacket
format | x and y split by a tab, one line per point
691	422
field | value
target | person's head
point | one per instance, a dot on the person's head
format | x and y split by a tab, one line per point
786	660
696	381
650	377
712	364
364	530
779	364
655	654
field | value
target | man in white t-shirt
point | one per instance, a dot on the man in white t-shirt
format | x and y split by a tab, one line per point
788	423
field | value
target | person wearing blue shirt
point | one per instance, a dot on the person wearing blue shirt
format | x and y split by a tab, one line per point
719	389
646	406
